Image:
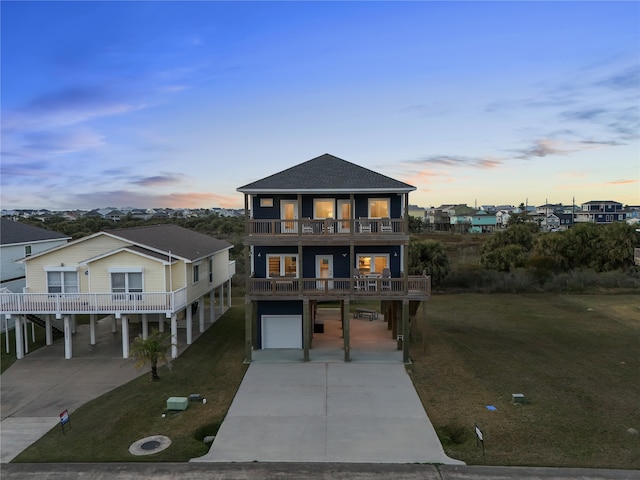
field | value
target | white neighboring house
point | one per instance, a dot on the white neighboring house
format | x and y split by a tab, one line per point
153	273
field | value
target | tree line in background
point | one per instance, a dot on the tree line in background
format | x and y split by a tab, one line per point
514	259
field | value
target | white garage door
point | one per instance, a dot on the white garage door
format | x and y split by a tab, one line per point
281	331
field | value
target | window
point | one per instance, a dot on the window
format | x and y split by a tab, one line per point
211	270
266	202
372	263
27	250
62	282
323	208
282	266
196	273
379	208
126	282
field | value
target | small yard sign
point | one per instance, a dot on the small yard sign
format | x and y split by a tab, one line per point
64	419
479	438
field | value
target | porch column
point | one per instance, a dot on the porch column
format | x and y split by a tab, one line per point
248	330
306	329
201	314
405	330
92	329
160	323
174	335
212	306
74	324
189	324
48	331
125	336
229	293
68	344
19	340
221	299
6	331
25	335
145	326
114	324
345	331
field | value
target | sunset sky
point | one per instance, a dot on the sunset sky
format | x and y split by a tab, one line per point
176	104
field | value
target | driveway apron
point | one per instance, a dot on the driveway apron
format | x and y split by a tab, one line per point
326	412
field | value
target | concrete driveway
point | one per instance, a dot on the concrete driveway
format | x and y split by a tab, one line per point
326	412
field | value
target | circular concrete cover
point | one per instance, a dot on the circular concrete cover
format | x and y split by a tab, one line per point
149	445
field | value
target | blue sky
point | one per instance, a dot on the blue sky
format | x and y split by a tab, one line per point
176	104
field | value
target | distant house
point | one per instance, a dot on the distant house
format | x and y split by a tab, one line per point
17	241
556	221
483	221
144	274
601	212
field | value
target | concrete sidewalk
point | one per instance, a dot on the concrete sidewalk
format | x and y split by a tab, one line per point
327	412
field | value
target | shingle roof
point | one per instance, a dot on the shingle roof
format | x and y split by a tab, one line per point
15	232
181	242
326	173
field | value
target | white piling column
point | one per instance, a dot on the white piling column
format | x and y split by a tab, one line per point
92	329
174	336
221	300
48	331
229	293
6	331
145	326
189	325
25	335
125	336
114	324
212	306
201	313
19	342
160	323
68	344
33	333
74	323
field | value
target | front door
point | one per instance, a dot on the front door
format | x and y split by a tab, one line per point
344	213
289	211
324	270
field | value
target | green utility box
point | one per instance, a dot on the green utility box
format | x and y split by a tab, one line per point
177	403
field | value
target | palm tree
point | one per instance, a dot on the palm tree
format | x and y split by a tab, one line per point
152	350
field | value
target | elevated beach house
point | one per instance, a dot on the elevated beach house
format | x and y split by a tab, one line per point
326	230
159	274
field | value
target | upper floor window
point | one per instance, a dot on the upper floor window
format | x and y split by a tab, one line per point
282	265
196	272
323	208
62	281
372	263
27	250
211	270
126	282
379	208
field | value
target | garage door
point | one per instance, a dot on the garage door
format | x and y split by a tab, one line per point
281	331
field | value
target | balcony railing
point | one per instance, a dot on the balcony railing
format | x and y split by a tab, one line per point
67	303
416	286
329	226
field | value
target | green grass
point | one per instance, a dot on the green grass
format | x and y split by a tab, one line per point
103	429
575	358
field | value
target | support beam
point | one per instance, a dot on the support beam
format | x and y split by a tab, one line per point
48	331
345	331
221	300
229	293
125	336
405	331
212	306
92	329
6	331
114	324
201	314
248	330
160	323
68	343
189	315
25	335
306	329
174	335
74	324
145	326
19	340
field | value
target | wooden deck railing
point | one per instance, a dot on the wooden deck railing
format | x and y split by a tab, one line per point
416	286
63	303
329	226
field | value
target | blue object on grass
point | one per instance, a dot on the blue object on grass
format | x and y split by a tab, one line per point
491	407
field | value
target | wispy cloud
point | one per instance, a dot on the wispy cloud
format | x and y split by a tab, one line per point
546	146
624	182
160	180
456	161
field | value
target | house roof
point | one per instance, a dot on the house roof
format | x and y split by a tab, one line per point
326	173
181	242
16	232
